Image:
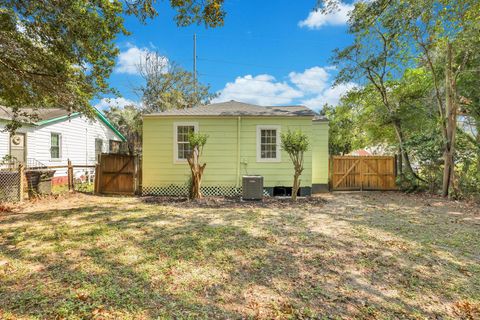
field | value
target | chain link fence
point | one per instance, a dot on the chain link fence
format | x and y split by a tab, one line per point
10	185
16	179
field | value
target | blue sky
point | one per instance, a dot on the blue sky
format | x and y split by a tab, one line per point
267	53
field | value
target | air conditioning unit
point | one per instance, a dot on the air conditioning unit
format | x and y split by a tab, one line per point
252	187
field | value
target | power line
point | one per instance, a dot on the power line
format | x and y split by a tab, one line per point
242	63
242	78
267	37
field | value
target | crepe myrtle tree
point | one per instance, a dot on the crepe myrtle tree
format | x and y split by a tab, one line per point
197	141
295	143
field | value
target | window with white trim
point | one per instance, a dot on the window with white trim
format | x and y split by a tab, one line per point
55	145
98	148
268	143
182	146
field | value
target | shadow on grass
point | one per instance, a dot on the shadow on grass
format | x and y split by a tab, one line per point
413	247
150	260
82	280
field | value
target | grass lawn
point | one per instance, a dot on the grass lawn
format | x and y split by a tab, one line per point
357	256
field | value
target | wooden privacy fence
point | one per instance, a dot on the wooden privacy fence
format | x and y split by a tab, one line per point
363	173
118	174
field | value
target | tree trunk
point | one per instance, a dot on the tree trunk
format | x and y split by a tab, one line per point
447	174
396	122
400	162
403	152
197	173
296	185
451	124
478	144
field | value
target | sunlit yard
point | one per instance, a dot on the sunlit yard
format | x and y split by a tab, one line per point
355	255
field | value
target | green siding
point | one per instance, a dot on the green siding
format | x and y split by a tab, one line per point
274	173
221	152
320	152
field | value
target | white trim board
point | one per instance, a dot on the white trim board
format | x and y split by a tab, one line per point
175	142
258	137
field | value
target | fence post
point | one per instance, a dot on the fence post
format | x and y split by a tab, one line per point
70	176
136	180
21	185
97	179
395	165
330	172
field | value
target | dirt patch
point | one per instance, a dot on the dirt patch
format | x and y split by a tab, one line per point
6	208
226	202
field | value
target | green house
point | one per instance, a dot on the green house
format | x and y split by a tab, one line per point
243	139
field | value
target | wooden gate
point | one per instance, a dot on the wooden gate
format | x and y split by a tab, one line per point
363	173
117	174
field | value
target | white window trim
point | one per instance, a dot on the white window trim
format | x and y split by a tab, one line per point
259	141
102	149
59	146
175	142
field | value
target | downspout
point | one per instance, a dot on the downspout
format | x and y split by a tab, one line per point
239	122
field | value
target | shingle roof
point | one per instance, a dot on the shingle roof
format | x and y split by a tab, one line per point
40	114
235	108
43	116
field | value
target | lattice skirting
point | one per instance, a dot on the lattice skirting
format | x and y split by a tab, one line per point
182	191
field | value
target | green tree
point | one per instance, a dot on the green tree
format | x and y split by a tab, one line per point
360	120
128	120
197	141
60	53
447	37
391	36
375	58
169	86
295	143
350	123
468	153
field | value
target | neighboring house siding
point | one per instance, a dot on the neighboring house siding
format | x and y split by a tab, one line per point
78	136
220	153
320	153
4	140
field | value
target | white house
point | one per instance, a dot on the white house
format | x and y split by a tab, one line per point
57	136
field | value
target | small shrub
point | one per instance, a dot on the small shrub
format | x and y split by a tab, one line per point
295	143
197	141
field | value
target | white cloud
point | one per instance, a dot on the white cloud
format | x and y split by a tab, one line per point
262	90
318	19
119	102
331	96
312	88
128	60
311	80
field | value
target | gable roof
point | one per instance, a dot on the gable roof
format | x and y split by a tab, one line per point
46	116
235	108
40	114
